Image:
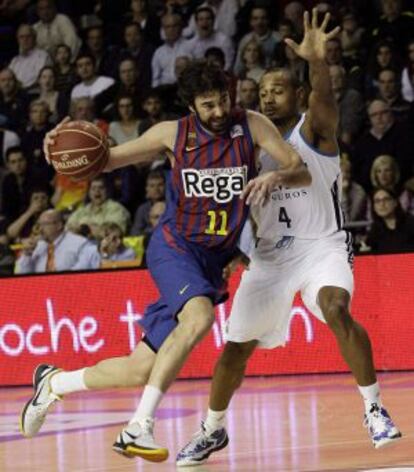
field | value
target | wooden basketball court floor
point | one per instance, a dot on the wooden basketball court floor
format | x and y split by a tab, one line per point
292	423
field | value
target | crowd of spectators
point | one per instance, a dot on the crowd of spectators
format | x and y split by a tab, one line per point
116	63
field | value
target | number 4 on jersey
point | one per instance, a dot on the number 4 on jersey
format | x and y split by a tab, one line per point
284	217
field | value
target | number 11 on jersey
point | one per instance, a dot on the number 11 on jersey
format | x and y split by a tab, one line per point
219	217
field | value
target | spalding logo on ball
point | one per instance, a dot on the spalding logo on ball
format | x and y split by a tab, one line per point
81	150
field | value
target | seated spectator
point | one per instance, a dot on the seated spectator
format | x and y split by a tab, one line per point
83	108
56	250
14	102
407	78
394	24
111	247
27	223
216	56
385	174
32	138
58	103
285	56
6	255
248	94
91	84
163	60
294	12
389	90
106	56
128	84
382	56
125	127
154	109
155	214
206	37
27	65
65	74
253	61
261	31
155	192
100	209
350	104
8	139
384	137
351	35
354	198
140	51
18	184
392	229
150	23
54	28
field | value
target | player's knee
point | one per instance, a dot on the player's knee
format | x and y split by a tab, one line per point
196	327
235	354
338	318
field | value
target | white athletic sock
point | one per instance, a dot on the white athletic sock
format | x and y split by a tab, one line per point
371	395
215	420
68	382
150	399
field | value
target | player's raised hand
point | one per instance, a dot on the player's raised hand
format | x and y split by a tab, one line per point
313	45
50	137
258	190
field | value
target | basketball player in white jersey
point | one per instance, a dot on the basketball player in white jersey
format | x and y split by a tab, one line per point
301	247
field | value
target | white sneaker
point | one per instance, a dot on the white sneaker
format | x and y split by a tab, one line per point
34	412
137	440
198	450
381	428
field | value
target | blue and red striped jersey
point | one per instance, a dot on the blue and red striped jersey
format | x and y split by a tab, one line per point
207	179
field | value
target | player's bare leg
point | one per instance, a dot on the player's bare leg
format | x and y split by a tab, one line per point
355	346
195	321
228	376
51	383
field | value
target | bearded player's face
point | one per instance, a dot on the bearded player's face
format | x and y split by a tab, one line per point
213	111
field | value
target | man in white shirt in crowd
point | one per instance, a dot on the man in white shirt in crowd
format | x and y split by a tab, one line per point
163	61
30	60
207	38
57	250
91	84
54	28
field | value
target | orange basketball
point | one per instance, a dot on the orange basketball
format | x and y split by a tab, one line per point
80	151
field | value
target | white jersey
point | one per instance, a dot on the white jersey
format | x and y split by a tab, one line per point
309	212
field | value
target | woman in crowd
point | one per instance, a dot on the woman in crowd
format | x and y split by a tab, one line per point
253	60
392	229
126	126
57	102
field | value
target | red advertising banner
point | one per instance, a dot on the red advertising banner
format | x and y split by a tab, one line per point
74	320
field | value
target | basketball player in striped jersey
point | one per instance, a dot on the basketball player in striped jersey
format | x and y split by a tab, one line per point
213	156
301	247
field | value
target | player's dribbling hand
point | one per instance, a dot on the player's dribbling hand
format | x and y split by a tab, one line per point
51	136
258	190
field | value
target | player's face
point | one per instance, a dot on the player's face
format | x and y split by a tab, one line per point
213	111
278	98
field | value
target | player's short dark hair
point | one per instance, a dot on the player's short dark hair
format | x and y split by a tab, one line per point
293	78
14	150
198	78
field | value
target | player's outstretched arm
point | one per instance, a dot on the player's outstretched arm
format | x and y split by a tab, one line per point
292	171
158	139
323	112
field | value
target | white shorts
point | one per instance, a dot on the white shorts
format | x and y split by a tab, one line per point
262	303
